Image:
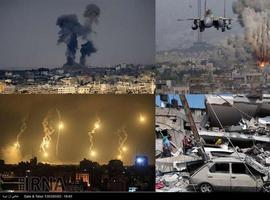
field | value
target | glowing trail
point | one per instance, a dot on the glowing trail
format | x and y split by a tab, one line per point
91	138
60	127
46	140
122	138
23	128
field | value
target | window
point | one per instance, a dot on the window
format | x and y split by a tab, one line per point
218	153
220	168
239	168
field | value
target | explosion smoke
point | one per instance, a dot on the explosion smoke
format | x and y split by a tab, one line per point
48	131
254	16
122	138
91	137
71	30
91	15
86	50
257	27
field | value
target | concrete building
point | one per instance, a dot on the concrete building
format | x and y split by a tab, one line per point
83	90
84	177
67	90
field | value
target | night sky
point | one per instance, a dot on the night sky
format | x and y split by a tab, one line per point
78	113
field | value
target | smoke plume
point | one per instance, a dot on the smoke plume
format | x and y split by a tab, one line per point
254	16
91	15
71	30
86	50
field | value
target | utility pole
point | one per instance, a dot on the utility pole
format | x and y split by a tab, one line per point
199	5
193	127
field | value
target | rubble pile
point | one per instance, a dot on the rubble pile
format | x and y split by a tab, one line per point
172	182
260	155
235	129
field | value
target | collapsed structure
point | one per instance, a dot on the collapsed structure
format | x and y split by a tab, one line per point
228	126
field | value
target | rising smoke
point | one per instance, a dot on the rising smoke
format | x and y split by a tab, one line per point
254	16
86	50
71	30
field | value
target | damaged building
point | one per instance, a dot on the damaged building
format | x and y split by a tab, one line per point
222	127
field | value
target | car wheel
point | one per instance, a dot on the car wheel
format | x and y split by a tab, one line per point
266	188
206	188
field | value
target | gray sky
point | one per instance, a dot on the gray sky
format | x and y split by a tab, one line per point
28	36
173	34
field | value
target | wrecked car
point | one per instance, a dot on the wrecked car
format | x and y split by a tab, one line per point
228	174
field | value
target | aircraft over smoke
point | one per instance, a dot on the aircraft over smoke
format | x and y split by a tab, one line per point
209	20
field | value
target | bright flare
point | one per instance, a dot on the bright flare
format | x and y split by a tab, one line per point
91	137
45	154
17	145
124	149
122	138
61	125
142	119
97	125
93	153
48	131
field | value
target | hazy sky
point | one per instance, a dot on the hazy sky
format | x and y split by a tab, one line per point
79	113
173	34
28	36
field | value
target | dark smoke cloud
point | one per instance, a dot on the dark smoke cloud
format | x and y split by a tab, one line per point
91	14
71	29
86	50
